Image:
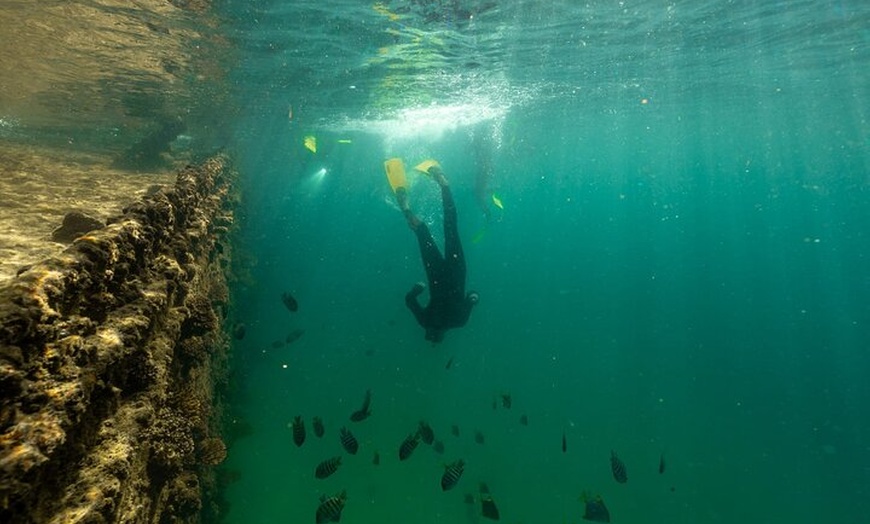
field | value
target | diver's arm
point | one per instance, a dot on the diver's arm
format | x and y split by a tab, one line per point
414	306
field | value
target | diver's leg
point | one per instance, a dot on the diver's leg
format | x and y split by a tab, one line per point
405	206
453	253
432	260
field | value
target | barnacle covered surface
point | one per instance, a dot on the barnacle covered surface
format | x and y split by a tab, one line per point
109	353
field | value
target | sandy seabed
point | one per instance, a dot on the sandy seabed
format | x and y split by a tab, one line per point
39	186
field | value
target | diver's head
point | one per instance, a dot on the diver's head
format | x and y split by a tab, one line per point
473	298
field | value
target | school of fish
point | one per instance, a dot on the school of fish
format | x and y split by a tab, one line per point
330	507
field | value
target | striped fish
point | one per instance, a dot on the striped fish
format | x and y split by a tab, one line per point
595	510
409	445
452	473
487	505
618	468
348	441
327	467
298	431
330	508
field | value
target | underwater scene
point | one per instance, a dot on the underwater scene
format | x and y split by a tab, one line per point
530	261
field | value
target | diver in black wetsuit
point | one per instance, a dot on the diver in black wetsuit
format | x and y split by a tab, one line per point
449	306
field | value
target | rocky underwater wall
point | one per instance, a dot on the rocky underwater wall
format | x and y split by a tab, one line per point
110	355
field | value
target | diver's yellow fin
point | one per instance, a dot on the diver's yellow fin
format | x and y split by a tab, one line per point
424	166
497	201
310	143
395	173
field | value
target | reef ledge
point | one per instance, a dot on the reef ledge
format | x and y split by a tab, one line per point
110	356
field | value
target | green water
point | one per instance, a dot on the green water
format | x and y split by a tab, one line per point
681	265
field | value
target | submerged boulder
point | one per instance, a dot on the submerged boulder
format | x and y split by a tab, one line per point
75	224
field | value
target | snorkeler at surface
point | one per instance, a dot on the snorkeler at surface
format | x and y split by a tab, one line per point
449	305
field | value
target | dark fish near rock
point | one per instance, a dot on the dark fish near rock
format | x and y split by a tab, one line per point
564	443
319	430
364	412
409	445
449	364
348	441
454	430
618	468
330	508
479	438
595	510
327	467
289	302
452	474
239	331
661	463
426	432
506	400
298	431
294	335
